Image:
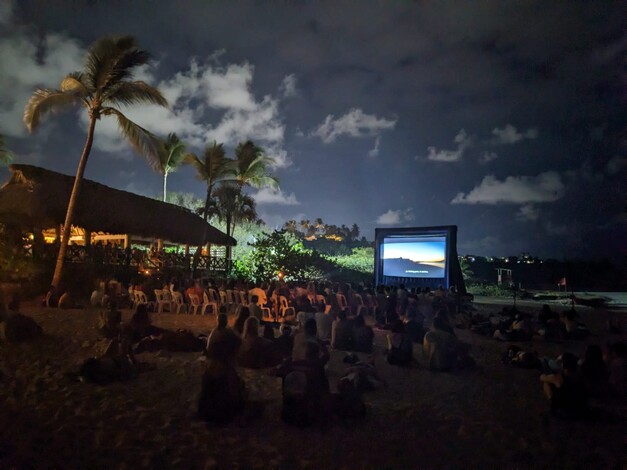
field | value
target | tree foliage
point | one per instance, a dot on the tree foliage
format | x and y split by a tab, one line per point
280	252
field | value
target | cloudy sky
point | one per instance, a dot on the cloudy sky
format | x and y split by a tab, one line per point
504	118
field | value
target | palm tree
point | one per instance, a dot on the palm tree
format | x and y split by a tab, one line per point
354	232
105	82
212	168
252	167
232	206
170	156
290	226
304	225
6	156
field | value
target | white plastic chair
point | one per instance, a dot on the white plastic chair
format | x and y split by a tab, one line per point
178	303
163	300
208	303
141	299
194	304
284	307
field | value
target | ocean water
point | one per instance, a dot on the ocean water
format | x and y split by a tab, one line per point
616	299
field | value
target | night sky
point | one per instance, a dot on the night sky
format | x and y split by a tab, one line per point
504	118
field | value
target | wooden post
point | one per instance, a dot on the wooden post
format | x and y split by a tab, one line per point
126	241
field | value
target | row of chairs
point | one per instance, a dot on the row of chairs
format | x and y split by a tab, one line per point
214	300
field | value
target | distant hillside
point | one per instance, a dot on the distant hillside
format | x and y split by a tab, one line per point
401	267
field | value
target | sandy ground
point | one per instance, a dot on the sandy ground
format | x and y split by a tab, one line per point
492	416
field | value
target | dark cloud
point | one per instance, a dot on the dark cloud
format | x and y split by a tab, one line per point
545	80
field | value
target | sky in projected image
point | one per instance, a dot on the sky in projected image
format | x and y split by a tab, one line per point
417	251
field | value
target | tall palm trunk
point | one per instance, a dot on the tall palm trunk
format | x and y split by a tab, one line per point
67	226
228	248
204	230
165	182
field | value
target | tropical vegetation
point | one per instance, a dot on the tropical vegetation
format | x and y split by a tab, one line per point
104	84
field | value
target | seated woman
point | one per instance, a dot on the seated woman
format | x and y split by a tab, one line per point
564	391
443	350
362	335
223	343
255	352
241	318
305	387
400	346
309	334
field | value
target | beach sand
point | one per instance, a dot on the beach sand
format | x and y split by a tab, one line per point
491	416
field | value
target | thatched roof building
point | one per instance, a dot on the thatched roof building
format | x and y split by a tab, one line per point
37	198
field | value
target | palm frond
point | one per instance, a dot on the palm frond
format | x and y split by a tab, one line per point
73	83
144	142
172	154
193	160
103	56
43	101
121	67
137	92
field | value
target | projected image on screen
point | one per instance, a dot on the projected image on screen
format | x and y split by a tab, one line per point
420	256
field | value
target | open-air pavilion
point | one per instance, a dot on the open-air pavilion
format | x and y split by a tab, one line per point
107	220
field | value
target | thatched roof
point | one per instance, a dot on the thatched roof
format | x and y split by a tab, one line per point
36	197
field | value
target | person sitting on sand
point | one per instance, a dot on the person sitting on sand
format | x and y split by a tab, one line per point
342	333
309	334
110	322
223	343
15	327
255	309
255	352
284	344
574	330
521	330
546	316
564	391
363	335
305	387
241	318
443	350
324	323
593	371
414	326
306	312
400	346
222	394
140	326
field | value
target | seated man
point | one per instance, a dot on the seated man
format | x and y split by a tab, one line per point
342	333
254	308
